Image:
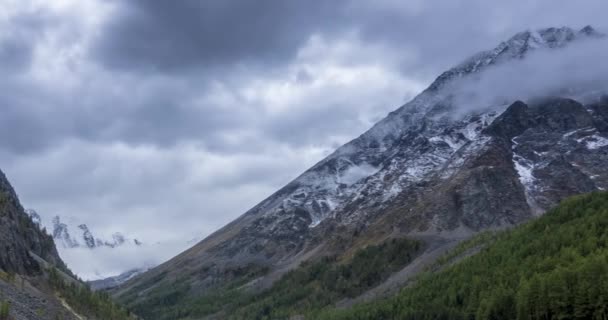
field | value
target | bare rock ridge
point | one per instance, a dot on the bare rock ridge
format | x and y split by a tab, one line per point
421	172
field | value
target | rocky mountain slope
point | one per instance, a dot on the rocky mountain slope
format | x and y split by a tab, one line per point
425	171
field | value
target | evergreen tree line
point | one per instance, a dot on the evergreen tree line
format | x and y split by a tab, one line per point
312	286
173	300
322	283
82	299
555	267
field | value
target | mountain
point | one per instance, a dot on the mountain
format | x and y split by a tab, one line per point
115	281
35	284
427	172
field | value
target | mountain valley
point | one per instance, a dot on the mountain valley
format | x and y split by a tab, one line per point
471	201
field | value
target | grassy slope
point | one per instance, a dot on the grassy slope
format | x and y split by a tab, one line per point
555	267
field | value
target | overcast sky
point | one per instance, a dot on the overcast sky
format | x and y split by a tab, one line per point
167	119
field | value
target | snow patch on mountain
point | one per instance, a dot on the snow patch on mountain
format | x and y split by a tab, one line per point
595	142
524	169
356	173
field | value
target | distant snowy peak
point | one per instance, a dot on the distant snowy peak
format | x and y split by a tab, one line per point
516	48
115	281
83	237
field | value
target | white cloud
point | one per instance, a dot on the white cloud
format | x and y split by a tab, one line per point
103	262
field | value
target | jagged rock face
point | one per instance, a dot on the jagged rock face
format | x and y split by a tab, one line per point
423	170
562	151
525	161
19	235
88	238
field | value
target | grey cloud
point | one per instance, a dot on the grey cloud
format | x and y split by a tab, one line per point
15	55
177	36
240	38
166	36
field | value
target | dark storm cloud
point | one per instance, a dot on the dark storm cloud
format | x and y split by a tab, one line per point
178	36
192	44
175	36
170	35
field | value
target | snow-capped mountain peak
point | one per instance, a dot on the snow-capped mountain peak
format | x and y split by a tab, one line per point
516	47
83	237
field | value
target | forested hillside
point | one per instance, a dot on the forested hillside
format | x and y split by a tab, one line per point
312	286
555	267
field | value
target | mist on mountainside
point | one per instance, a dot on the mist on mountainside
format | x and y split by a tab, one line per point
579	71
